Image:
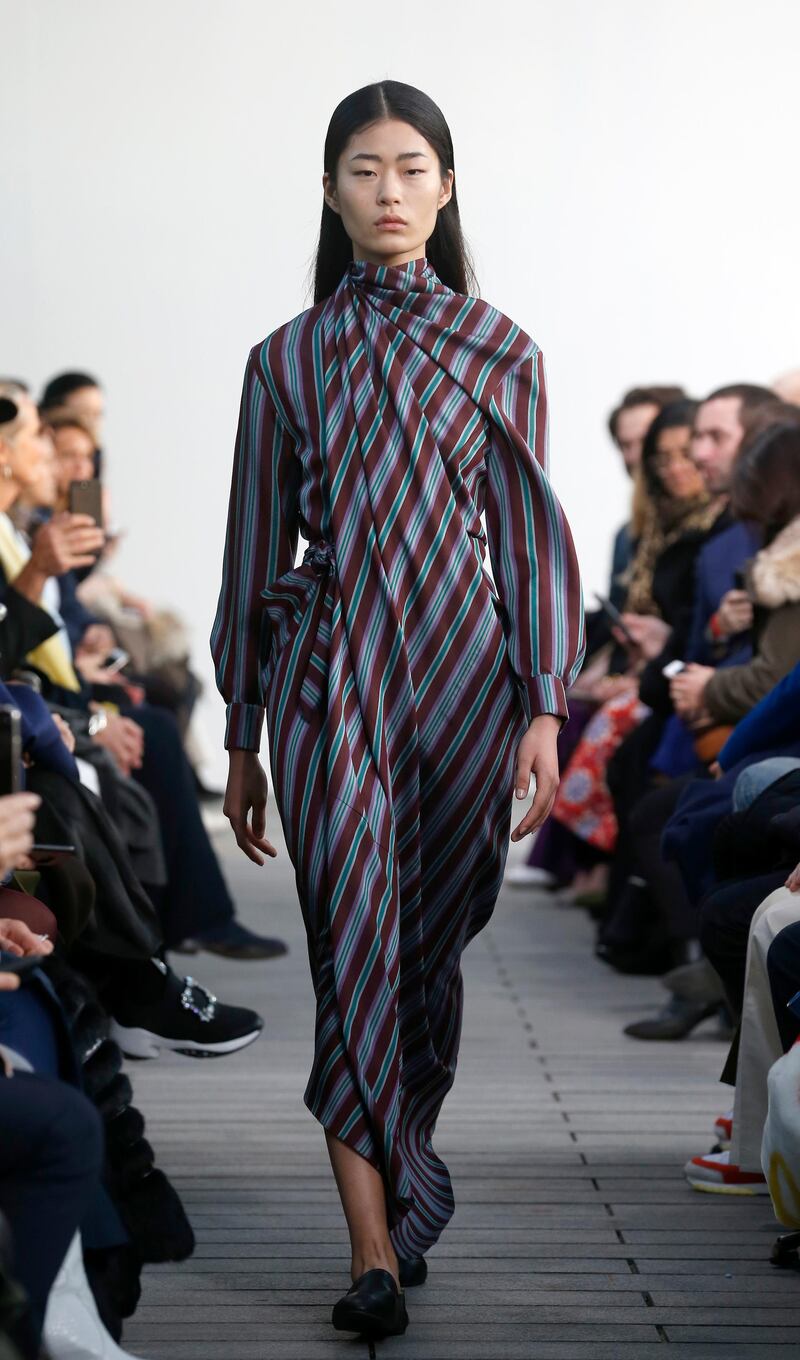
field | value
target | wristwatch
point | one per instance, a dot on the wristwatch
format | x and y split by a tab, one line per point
98	722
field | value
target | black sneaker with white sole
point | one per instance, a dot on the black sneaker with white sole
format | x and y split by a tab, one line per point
182	1016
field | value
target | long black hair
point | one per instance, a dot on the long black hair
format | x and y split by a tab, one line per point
445	249
675	415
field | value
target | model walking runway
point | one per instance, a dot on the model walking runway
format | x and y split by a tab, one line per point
398	681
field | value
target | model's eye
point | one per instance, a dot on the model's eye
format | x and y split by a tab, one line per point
417	170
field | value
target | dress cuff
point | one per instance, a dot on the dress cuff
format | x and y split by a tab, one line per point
545	694
243	727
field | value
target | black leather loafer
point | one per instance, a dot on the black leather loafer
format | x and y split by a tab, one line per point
413	1270
373	1305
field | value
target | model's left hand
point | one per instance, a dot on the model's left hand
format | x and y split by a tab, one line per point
537	755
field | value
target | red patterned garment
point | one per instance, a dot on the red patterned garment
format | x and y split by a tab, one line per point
583	802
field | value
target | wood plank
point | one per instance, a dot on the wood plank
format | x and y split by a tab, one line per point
575	1234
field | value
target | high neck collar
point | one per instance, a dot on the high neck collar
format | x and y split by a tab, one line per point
416	276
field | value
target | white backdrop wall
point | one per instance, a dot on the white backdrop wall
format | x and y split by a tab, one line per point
627	178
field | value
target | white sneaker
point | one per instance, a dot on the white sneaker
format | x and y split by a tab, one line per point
73	1328
529	876
717	1174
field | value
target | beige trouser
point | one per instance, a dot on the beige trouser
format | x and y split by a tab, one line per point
759	1043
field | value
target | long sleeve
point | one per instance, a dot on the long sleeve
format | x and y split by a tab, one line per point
260	545
24	627
733	691
530	544
773	723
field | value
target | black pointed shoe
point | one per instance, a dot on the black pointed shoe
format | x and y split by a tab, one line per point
373	1306
413	1270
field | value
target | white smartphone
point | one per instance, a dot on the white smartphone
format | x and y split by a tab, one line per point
673	668
115	661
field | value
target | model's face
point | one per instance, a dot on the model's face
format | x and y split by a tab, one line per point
632	426
673	464
88	403
74	457
388	170
716	440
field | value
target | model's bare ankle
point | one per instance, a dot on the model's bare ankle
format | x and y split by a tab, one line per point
375	1256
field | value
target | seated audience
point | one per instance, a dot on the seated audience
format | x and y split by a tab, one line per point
143	740
765	492
557	858
729	693
155	638
648	920
680	514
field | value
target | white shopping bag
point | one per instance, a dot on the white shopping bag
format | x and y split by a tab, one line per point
780	1146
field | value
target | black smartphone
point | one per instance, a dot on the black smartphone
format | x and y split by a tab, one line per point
86	498
50	854
611	612
739	582
10	749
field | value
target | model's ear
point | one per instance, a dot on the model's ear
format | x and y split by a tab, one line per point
329	190
447	188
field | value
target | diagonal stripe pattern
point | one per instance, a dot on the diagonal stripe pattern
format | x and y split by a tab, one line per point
396	675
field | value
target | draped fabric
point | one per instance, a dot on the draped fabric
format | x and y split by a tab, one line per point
397	678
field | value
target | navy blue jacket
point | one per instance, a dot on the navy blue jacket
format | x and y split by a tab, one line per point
772	725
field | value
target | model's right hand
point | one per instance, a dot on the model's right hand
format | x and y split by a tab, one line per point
246	790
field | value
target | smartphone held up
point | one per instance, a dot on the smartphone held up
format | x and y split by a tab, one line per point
86	498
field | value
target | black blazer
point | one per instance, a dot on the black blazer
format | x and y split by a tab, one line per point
23	628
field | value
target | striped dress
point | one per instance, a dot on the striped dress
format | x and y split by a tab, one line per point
397	678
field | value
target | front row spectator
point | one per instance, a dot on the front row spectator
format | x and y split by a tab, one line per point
52	1145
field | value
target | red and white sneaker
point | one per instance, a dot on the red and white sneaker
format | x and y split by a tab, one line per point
716	1174
723	1128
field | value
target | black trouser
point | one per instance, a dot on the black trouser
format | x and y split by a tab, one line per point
783	966
51	1153
195	898
629	778
725	917
664	913
645	828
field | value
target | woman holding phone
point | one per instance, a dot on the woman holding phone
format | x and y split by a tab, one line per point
406	694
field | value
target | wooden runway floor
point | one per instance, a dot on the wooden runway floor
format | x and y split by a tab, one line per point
575	1234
